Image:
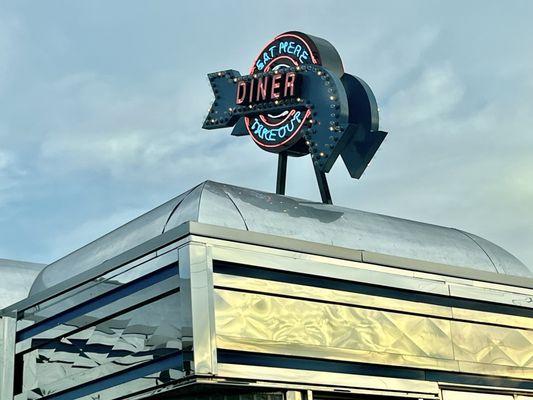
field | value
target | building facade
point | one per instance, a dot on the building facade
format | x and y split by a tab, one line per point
230	292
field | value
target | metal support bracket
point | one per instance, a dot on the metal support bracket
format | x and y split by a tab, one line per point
282	179
282	173
323	186
8	330
196	264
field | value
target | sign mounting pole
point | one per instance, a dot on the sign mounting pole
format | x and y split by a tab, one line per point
282	173
323	186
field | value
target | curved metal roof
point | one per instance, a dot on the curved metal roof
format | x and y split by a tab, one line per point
17	279
252	210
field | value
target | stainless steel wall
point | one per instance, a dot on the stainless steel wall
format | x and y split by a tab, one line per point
193	309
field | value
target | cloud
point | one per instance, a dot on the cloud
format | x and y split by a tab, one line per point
10	30
428	100
134	134
100	120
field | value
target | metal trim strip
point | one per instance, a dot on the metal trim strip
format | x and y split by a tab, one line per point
261	239
278	368
302	246
447	308
280	374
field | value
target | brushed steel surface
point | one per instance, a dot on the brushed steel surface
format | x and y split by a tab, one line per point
126	237
316	222
368	301
196	265
17	278
459	395
327	378
355	271
255	211
280	325
7	357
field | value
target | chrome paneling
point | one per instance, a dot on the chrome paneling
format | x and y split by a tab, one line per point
196	265
370	273
126	237
369	301
322	266
516	298
17	278
458	395
255	211
284	318
96	287
490	344
406	386
132	324
7	356
354	229
89	318
135	386
498	256
139	336
221	210
269	324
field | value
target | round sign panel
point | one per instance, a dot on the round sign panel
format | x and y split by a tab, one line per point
279	131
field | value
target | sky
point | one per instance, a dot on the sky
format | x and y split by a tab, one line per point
102	102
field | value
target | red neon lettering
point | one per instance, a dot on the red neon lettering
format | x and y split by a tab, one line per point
241	92
274	94
250	98
262	89
289	83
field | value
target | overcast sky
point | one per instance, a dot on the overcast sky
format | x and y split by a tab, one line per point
101	105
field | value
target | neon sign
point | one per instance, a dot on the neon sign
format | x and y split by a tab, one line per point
267	88
297	100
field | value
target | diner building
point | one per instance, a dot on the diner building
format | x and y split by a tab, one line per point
231	293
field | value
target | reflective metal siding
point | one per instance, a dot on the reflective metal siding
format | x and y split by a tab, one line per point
343	227
138	231
330	314
251	210
131	324
16	280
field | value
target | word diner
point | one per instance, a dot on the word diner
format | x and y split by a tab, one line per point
267	88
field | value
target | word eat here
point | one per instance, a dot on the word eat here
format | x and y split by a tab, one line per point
282	49
267	88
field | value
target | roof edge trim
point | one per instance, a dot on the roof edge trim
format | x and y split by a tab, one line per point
303	246
263	239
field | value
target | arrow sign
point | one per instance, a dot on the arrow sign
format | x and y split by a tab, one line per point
316	108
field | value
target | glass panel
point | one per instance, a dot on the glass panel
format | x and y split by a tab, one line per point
114	345
48	331
97	287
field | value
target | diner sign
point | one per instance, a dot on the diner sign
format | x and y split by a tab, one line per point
298	100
